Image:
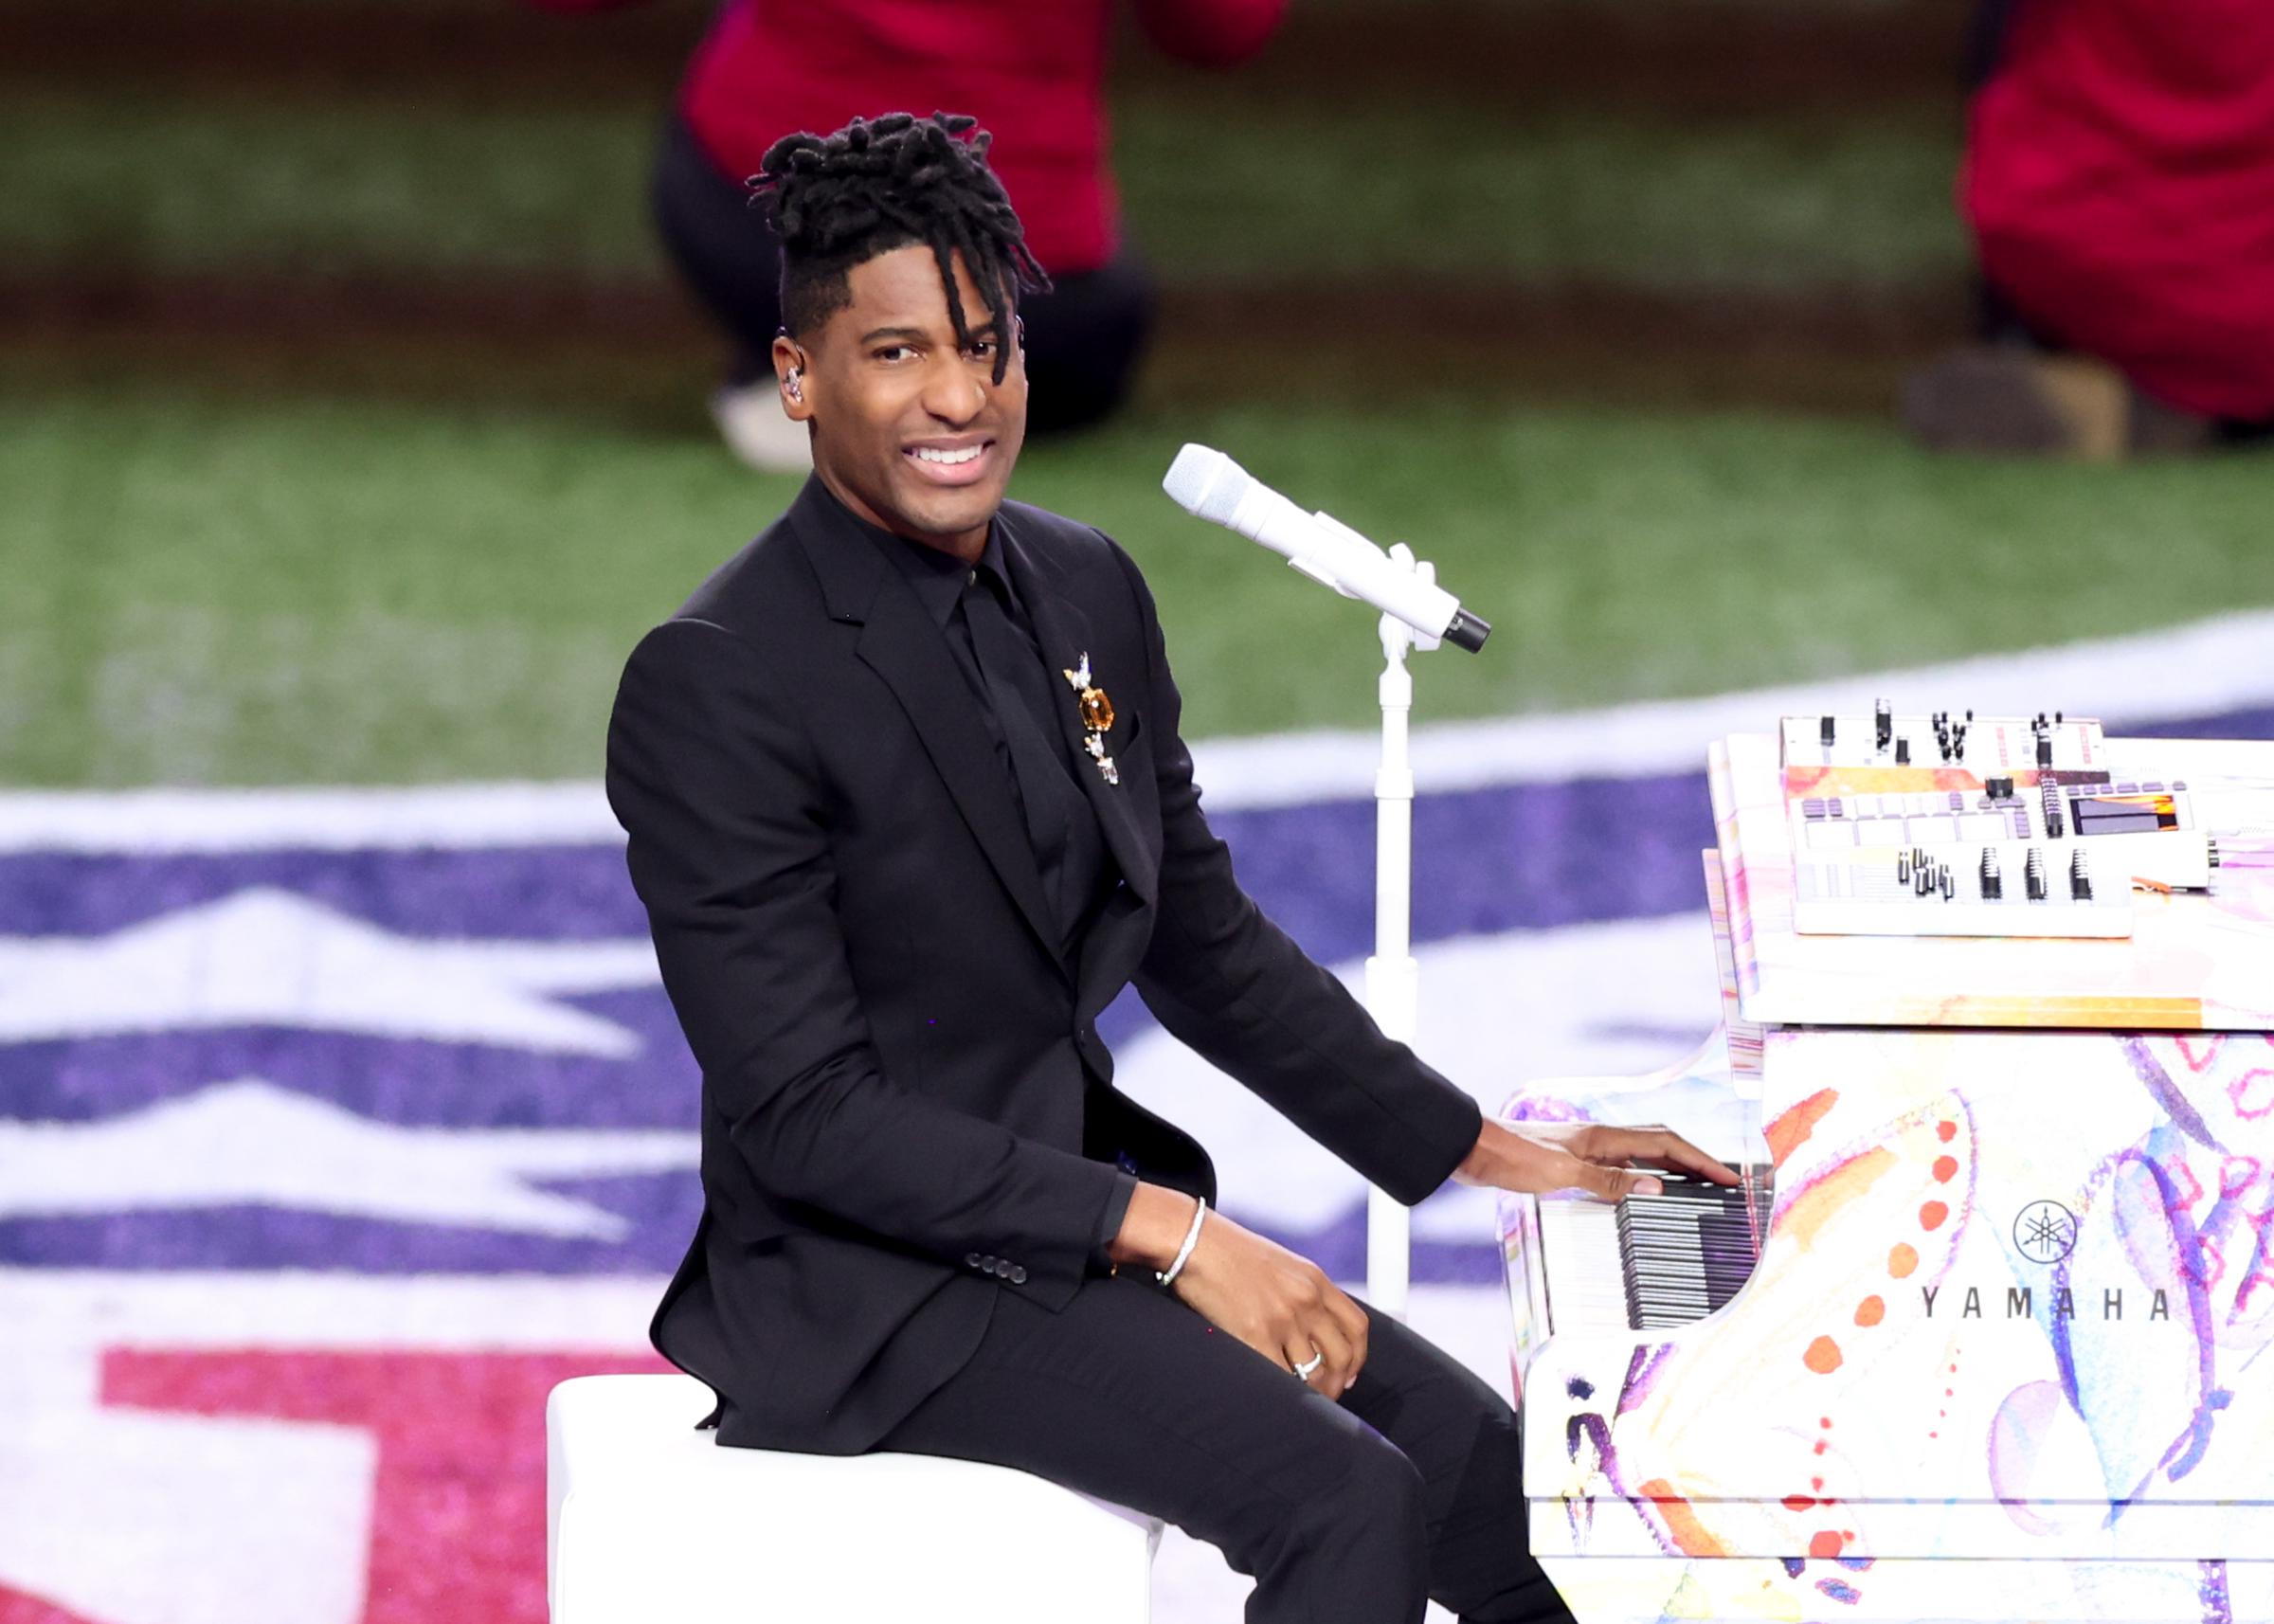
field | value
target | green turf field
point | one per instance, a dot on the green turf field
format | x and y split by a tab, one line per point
331	187
212	592
379	548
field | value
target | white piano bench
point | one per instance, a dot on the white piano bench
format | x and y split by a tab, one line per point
649	1519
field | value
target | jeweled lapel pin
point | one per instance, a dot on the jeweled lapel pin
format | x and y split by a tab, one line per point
1096	713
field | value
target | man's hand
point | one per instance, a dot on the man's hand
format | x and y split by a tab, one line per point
1279	1304
1542	1156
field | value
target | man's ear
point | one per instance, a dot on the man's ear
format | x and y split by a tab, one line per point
792	371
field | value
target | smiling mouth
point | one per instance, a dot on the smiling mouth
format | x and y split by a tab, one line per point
950	464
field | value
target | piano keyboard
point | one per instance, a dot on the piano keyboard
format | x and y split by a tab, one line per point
1684	1253
1650	1262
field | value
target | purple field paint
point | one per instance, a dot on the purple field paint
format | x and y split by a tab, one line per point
1487	861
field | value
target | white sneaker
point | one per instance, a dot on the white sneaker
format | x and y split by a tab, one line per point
751	422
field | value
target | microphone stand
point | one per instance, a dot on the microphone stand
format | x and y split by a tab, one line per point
1392	974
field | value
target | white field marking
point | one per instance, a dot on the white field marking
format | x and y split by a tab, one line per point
1615	998
249	1141
143	1518
2203	669
265	956
136	1518
310	1310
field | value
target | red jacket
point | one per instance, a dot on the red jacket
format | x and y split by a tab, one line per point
2120	181
1031	71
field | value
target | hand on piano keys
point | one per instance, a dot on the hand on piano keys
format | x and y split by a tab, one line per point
1601	1159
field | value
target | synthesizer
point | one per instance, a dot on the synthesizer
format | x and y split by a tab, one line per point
1953	825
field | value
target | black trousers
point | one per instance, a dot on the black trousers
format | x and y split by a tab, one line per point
1345	1512
1083	337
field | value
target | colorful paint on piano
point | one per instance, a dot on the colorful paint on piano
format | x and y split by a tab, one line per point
2014	1307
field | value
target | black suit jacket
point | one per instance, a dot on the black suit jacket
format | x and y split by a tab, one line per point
905	1106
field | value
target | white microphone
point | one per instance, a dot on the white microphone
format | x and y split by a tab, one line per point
1210	485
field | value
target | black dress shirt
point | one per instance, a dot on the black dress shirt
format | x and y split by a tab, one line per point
1070	850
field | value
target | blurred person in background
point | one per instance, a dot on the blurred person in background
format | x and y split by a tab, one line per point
2119	182
1033	74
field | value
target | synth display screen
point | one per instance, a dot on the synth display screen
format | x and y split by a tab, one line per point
2143	814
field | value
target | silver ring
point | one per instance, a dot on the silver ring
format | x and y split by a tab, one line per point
1316	1358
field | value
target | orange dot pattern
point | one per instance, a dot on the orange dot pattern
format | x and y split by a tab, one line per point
1824	1355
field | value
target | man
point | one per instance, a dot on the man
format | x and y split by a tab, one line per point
907	807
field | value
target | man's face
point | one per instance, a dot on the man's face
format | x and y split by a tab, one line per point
910	431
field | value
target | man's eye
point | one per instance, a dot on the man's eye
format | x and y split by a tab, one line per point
895	352
981	349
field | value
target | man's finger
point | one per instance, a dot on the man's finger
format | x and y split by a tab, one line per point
1323	1334
1653	1147
1670	1150
1355	1324
1612	1183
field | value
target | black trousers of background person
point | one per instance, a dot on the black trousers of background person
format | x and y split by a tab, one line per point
1353	1511
1083	337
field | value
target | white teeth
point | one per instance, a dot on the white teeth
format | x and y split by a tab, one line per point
926	454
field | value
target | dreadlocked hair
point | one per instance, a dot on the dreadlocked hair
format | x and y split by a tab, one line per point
880	183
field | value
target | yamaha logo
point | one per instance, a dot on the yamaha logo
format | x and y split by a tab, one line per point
2045	1233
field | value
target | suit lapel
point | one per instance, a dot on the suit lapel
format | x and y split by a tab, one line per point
1063	630
901	644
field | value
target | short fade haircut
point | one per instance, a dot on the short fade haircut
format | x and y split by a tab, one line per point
880	183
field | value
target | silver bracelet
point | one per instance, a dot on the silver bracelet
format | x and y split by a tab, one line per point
1192	1237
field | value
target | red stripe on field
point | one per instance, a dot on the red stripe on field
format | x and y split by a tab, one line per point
458	1510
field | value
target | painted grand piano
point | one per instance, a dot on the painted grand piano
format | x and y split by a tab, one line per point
1988	1332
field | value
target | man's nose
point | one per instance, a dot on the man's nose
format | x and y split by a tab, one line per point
953	391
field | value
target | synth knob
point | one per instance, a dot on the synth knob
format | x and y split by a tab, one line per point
1824	731
1993	882
1948	885
2044	752
1903	753
2033	875
2080	881
1883	723
1999	788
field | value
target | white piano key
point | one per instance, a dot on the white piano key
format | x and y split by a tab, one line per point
1579	1242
